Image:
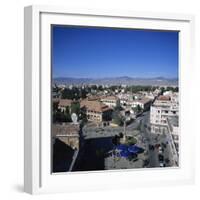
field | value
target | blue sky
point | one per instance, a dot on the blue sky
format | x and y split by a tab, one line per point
89	52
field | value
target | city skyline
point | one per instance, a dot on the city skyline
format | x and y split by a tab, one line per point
91	52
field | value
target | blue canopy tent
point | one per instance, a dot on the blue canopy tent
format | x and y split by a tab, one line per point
125	154
126	151
135	149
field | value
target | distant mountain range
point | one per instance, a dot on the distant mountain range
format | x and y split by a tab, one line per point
123	80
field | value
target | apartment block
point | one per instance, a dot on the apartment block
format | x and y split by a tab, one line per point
162	108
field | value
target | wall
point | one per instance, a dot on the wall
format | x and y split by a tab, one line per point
11	101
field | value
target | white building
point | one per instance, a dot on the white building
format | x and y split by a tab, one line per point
144	103
125	96
110	101
162	108
156	92
168	93
175	97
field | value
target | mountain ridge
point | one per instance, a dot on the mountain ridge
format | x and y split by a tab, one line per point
126	80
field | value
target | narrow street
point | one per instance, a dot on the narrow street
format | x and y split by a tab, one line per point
153	139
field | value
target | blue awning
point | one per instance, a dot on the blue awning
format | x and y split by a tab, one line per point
135	149
126	151
125	154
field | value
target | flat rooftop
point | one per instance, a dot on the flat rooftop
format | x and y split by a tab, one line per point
65	129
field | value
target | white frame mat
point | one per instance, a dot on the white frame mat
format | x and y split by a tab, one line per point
38	177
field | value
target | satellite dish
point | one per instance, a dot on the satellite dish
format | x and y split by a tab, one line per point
74	118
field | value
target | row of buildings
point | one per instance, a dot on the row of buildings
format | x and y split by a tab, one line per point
94	109
164	112
100	108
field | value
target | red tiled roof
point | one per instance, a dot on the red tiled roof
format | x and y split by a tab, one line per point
164	98
94	106
109	98
93	98
65	102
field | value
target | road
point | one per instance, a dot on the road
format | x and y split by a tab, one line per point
147	137
152	139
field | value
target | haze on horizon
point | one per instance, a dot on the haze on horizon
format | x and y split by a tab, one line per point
107	77
91	52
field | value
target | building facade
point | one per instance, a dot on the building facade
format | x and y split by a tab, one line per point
162	108
96	111
144	103
111	101
63	103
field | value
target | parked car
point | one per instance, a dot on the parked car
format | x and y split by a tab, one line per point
162	164
164	145
160	150
151	147
161	157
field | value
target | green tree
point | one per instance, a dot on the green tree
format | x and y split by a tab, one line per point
176	89
59	117
93	87
113	87
100	88
83	94
75	108
55	106
67	114
131	140
139	108
162	90
67	94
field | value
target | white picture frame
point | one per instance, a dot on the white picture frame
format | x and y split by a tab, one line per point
37	145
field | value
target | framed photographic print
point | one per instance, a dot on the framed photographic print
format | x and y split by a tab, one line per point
106	99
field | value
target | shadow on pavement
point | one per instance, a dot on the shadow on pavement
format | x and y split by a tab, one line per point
94	154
